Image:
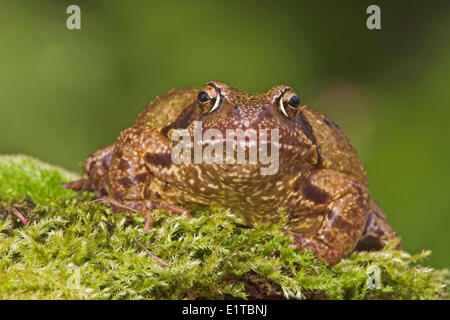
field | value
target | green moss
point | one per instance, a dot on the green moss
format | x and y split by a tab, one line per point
74	248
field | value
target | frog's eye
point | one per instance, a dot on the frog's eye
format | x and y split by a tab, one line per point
289	104
208	99
203	96
294	101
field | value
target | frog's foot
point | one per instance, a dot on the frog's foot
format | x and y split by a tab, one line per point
377	232
144	207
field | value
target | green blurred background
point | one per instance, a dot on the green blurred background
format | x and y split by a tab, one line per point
64	94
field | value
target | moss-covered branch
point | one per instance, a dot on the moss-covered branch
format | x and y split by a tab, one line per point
74	248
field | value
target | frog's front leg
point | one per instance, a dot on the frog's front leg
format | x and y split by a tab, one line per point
137	153
343	203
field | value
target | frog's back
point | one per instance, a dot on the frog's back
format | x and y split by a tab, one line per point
164	110
336	151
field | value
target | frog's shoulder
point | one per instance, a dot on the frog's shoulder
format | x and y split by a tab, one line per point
335	149
164	110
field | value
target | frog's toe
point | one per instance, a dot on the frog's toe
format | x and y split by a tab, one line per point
147	206
78	185
144	207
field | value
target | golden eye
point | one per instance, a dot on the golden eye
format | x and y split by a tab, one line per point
208	99
289	104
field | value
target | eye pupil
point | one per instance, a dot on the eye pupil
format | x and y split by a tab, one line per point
203	96
294	101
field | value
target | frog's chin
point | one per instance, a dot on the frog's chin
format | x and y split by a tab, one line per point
246	172
236	176
259	146
246	158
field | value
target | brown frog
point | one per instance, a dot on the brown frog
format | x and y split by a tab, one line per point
320	182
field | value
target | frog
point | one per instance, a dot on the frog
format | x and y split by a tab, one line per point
320	183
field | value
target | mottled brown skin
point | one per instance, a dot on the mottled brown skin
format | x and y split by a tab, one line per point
320	182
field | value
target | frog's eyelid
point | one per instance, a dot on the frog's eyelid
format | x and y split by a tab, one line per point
216	104
282	108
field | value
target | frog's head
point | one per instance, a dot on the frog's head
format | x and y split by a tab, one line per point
270	124
224	108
